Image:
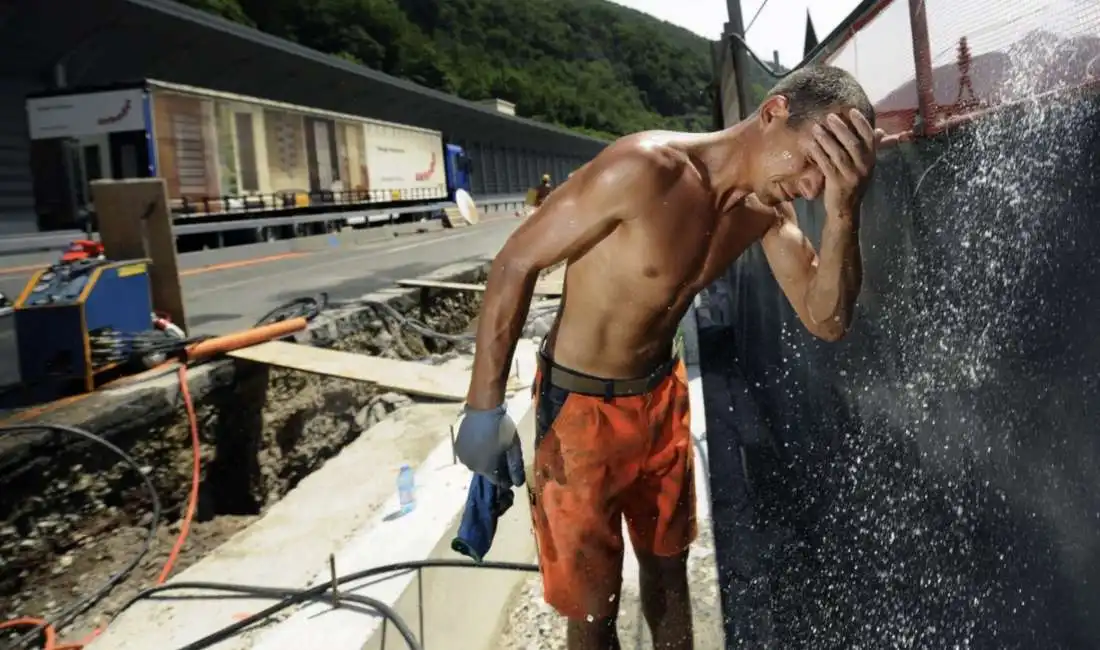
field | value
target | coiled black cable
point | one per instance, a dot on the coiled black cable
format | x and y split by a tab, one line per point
286	598
76	609
291	597
308	307
386	310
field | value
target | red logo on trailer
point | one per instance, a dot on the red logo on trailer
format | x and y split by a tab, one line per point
426	175
117	117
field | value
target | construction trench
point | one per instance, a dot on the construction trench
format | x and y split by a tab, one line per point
74	514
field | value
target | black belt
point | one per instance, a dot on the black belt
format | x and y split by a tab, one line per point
577	382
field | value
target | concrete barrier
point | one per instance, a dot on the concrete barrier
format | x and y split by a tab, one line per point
456	609
294	539
346	237
353	237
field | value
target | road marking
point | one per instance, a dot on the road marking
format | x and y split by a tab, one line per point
228	266
330	262
19	270
219	266
225	266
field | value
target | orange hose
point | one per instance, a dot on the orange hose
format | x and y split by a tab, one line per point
185	528
47	630
196	469
237	340
201	350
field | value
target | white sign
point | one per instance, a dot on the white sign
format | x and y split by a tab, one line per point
73	116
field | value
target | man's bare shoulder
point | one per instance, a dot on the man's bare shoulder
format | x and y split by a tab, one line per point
639	157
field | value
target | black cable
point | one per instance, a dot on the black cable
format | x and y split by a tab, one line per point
76	609
292	597
767	68
756	15
289	597
421	328
308	307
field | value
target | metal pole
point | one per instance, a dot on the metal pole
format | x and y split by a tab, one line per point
922	62
736	25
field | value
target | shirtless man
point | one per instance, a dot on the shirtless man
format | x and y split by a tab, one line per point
651	221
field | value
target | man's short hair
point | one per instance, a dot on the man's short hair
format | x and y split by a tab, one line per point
815	90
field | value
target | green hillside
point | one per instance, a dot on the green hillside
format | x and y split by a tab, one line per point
589	65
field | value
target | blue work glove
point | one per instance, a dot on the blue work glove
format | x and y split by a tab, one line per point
487	443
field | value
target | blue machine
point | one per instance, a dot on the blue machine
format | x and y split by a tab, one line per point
458	167
60	311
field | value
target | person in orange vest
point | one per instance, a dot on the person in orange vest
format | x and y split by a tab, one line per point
543	190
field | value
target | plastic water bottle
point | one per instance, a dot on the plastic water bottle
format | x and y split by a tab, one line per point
406	489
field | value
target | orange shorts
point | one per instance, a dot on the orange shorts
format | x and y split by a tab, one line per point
598	459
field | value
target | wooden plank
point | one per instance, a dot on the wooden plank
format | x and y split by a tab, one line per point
454	219
403	376
134	223
541	289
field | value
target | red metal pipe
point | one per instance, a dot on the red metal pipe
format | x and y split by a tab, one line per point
956	121
922	63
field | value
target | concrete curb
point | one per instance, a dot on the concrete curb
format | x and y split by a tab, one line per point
292	540
456	609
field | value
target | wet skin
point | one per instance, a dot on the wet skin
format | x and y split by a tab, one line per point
645	226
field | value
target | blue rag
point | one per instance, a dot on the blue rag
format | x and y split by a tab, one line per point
485	503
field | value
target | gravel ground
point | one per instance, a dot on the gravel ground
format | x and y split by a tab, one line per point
86	567
533	625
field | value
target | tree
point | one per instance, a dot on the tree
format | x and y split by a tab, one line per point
589	65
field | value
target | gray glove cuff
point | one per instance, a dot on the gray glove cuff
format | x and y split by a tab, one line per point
502	410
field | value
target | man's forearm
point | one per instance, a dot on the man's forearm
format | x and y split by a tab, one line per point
504	310
831	295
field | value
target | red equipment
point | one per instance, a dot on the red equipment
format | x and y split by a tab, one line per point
83	249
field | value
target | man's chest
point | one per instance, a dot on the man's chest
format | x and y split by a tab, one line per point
689	249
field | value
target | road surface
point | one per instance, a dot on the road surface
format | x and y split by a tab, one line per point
232	296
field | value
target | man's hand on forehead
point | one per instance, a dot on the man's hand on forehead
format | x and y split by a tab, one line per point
844	146
849	129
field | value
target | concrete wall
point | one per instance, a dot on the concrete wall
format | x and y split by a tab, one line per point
510	170
16	191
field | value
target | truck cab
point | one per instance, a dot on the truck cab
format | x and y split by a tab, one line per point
458	169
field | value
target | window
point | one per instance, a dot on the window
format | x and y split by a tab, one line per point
284	129
246	147
93	170
128	161
190	153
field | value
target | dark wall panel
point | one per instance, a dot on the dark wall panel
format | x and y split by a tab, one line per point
932	481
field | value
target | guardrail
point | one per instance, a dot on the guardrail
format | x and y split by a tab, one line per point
61	240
